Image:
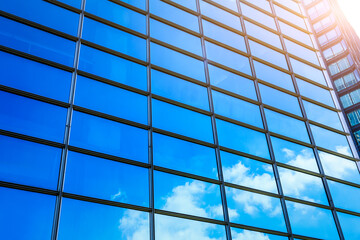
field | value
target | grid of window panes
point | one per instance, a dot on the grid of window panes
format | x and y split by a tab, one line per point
160	119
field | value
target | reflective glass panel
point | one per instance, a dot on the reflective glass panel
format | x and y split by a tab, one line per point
247	172
187	196
262	34
295	33
322	115
308	71
242	139
239	234
344	196
102	135
314	92
347	223
258	16
184	156
268	54
106	179
301	52
80	220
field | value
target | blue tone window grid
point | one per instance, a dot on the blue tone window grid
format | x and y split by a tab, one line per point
83	157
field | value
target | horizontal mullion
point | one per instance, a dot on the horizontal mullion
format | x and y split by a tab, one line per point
291	139
124	4
320	104
230	150
284	112
337	154
251	228
257	7
284	165
28	188
226	46
314	204
312	82
253	190
271	65
185	9
266	44
278	88
289	9
328	128
261	25
299	43
220	24
231	120
108	157
227	92
229	69
347	211
357	185
306	62
222	7
64	5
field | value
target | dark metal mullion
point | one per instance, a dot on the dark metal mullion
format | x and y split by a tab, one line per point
213	122
64	153
150	131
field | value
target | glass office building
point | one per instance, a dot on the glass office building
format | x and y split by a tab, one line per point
160	119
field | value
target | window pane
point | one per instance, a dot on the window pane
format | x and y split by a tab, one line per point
114	39
242	139
286	126
112	67
44	13
247	234
311	221
102	135
308	71
273	76
301	52
248	172
36	42
224	36
294	154
339	167
34	77
117	14
35	165
167	227
175	37
263	34
314	92
232	82
282	100
106	179
227	58
181	121
331	140
268	54
236	109
322	115
80	220
35	212
179	90
31	117
258	16
347	223
187	196
348	202
177	62
255	209
296	33
302	186
184	156
111	100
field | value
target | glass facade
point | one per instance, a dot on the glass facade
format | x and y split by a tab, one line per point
169	119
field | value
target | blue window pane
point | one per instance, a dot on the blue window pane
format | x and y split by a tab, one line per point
347	223
232	82
224	36
186	3
111	100
247	234
33	211
117	14
175	37
242	139
34	77
92	221
167	227
174	14
314	92
73	3
184	156
311	221
263	34
136	3
237	109
177	62
106	179
322	115
303	186
344	196
181	121
31	117
112	67
43	12
268	54
287	126
339	167
35	165
179	90
227	58
301	52
282	100
308	71
102	135
114	39
331	140
220	15
258	16
294	154
273	76
36	42
248	172
188	196
255	209
296	33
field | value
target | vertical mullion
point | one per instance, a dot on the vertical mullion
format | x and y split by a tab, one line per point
64	153
213	122
150	132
